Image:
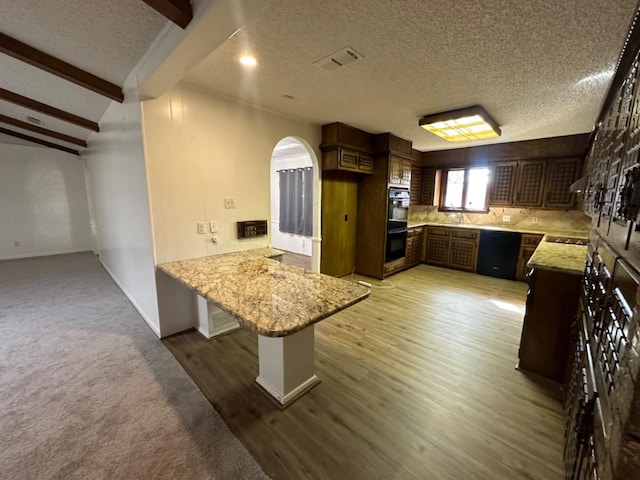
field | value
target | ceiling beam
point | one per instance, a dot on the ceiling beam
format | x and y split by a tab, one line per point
48	110
178	11
22	51
38	141
42	131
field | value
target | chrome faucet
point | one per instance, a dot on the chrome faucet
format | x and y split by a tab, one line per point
459	216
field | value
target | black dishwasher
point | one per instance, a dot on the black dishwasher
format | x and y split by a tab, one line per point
498	254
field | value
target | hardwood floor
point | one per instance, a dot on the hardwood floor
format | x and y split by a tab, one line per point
418	382
297	259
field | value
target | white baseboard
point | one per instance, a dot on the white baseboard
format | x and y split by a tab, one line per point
44	254
284	399
153	327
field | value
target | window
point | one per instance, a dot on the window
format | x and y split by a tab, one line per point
464	189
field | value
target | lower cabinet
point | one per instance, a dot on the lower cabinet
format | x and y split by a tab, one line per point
415	246
452	247
552	302
528	245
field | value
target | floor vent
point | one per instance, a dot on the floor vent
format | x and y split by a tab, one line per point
339	59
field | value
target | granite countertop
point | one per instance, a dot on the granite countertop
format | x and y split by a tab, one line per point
559	257
272	298
504	228
549	255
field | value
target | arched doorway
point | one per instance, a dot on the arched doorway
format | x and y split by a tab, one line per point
291	154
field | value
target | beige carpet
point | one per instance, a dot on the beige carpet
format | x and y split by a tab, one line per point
88	391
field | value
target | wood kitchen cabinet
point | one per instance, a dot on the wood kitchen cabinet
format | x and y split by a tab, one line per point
346	159
561	173
530	178
528	244
339	220
538	183
399	171
502	183
452	247
551	305
415	246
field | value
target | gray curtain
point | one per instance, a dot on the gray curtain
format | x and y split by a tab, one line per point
296	201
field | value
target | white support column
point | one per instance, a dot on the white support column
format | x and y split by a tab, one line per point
286	365
213	321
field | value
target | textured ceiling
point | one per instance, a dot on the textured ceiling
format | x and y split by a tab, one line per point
106	39
540	68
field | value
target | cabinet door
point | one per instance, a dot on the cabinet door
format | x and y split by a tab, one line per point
463	254
418	247
561	174
416	185
348	160
405	180
365	163
395	170
339	202
503	177
530	183
528	245
428	185
437	250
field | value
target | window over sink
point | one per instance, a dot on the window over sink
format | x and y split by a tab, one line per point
463	189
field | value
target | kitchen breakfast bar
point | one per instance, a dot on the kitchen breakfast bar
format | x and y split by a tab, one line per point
280	302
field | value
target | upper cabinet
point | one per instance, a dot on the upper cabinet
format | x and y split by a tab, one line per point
339	158
346	148
399	171
530	183
503	177
538	183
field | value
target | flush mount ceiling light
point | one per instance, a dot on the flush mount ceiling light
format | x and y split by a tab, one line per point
462	125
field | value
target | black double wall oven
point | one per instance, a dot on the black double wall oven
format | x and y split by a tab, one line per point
397	223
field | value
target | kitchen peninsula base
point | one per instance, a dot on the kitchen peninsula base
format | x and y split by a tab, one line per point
280	302
286	365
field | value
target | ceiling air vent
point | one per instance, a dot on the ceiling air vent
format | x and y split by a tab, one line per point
339	59
34	120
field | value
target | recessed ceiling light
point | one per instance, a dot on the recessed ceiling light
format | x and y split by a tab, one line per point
248	60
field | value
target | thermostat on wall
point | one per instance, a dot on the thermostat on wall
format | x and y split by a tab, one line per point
252	228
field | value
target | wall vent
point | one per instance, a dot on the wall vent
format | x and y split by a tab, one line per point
339	59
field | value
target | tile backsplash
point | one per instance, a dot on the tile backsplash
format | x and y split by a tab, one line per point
526	218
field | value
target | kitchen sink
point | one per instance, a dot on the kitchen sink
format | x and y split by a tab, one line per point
567	240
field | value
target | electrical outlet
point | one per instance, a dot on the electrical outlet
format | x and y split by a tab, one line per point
213	227
200	228
214	239
534	219
229	202
506	218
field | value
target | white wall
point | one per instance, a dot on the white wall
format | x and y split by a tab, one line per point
286	241
200	149
120	203
43	202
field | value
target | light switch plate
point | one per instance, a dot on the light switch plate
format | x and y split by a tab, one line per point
213	227
229	202
200	226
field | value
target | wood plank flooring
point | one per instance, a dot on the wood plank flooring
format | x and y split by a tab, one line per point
418	382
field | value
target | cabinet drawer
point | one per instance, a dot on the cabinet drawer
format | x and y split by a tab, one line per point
462	233
438	231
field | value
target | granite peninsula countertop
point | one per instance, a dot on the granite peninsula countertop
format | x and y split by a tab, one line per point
559	257
272	298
